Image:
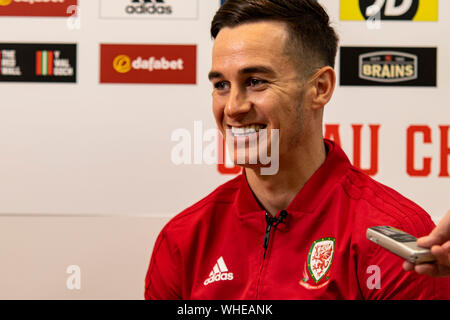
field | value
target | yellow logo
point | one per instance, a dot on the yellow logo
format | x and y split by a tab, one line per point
412	10
122	63
5	2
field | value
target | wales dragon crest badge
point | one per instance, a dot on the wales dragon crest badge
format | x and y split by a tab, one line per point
318	263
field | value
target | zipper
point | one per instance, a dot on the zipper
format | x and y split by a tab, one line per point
271	222
269	225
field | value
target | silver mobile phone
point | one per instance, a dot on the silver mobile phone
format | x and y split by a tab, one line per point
399	243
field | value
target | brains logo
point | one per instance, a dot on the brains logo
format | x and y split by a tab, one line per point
5	2
388	66
122	63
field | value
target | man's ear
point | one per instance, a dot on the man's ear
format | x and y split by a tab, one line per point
322	85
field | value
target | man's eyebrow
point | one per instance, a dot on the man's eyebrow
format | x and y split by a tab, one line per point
247	70
257	69
214	75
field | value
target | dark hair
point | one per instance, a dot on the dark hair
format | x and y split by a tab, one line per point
308	24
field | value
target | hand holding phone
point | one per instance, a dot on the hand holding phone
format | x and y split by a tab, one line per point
439	243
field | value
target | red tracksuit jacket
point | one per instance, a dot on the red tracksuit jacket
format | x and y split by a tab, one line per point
221	248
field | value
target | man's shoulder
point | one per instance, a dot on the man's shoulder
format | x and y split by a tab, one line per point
377	204
224	195
384	205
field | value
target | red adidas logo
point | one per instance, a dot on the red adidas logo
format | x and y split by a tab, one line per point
220	272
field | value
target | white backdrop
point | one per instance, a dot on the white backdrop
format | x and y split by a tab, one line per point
105	149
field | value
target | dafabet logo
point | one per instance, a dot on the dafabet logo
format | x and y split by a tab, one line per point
37	8
5	2
122	63
165	64
415	10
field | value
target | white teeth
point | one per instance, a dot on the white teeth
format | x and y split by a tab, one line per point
243	131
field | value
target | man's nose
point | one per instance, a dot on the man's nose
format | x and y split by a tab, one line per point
237	103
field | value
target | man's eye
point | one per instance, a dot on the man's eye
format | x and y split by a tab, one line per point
221	85
255	82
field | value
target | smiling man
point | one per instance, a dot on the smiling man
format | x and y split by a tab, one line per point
299	232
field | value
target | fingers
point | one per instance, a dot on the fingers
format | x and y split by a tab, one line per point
408	266
442	254
446	246
428	269
439	242
428	241
441	268
439	235
431	270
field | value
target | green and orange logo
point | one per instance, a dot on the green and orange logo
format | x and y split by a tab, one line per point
44	63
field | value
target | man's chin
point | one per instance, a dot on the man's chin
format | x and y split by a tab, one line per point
249	157
260	169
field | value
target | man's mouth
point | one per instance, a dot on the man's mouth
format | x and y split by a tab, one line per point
246	130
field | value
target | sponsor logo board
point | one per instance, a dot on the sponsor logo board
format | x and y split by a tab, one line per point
145	63
37	62
412	10
384	66
37	8
149	9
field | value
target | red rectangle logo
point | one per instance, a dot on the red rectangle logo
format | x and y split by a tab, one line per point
37	8
162	64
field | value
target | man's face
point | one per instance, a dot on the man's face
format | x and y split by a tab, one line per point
257	85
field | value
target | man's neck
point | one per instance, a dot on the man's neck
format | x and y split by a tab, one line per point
276	192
